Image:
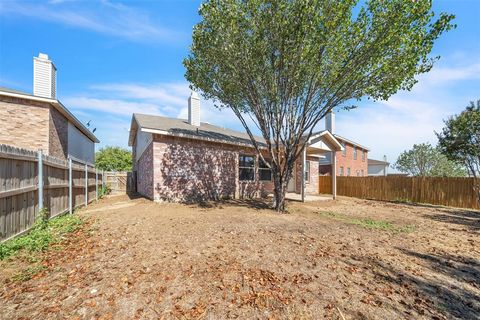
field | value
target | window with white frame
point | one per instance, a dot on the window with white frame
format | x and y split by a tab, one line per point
246	166
358	173
344	151
341	171
264	172
348	171
362	173
307	171
363	155
354	153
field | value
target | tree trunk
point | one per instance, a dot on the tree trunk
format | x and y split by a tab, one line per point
280	183
279	196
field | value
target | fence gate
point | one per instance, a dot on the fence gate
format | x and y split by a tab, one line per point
120	182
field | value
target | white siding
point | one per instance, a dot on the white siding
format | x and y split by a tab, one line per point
44	77
79	145
143	140
376	169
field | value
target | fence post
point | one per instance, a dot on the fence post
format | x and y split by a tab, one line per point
70	186
86	184
96	184
40	180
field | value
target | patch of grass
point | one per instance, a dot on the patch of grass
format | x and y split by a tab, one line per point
28	273
370	223
43	234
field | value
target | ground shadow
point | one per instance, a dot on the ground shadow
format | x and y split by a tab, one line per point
135	195
464	269
458	298
257	204
470	219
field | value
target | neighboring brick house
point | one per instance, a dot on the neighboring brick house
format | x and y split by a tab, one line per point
180	160
41	121
351	161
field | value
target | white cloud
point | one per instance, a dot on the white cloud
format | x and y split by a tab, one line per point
445	75
111	106
168	95
102	16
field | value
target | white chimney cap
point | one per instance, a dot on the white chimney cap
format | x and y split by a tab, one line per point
43	56
194	95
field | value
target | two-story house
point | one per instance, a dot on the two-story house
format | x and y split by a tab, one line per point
351	161
39	121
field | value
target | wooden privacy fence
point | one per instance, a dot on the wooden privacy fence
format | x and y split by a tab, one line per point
446	191
30	181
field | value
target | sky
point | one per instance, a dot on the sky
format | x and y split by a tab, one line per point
115	58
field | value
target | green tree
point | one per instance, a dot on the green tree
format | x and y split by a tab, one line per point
283	65
425	160
113	159
460	140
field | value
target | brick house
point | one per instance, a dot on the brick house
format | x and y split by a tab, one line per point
352	160
40	121
189	160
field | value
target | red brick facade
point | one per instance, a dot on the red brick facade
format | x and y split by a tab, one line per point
33	125
144	168
25	124
311	184
58	134
180	169
347	163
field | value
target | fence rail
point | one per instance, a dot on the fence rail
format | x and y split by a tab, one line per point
446	191
30	181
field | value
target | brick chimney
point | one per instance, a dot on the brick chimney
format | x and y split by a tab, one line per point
330	122
44	77
194	109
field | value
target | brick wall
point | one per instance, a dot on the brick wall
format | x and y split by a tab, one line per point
58	134
144	168
311	186
347	161
192	170
25	123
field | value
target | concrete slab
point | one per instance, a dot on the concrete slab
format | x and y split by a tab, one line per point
308	197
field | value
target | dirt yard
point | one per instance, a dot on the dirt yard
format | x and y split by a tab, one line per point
344	259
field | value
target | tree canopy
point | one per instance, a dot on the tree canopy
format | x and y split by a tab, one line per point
425	160
460	140
283	65
113	159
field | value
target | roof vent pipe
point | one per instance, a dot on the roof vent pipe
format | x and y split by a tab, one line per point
44	77
194	109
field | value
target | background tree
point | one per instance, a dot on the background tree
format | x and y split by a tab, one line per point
283	65
113	159
425	160
460	140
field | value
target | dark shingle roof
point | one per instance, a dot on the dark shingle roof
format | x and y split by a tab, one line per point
206	131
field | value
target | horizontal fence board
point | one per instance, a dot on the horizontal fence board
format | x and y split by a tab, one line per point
445	191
